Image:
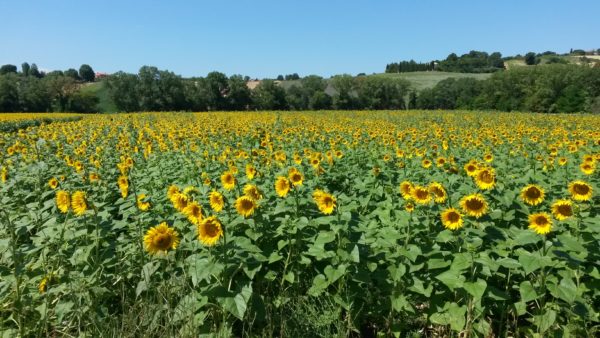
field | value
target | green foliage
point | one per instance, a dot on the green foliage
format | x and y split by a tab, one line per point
473	62
86	73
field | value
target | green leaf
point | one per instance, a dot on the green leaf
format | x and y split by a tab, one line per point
334	274
453	316
319	285
355	254
476	289
527	291
566	290
545	320
452	279
237	305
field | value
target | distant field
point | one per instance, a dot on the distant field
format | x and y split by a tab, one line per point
418	80
422	80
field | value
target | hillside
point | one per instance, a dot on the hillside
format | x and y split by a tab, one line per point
106	105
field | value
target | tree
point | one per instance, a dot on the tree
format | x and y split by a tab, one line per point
345	97
280	77
319	101
86	73
295	98
217	87
34	95
9	96
148	89
25	68
72	73
196	94
269	96
5	69
239	96
83	102
122	89
375	92
530	59
60	89
33	71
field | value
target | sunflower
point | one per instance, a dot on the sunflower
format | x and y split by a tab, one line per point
580	191
43	285
438	192
209	231
3	174
485	178
421	194
440	161
451	219
180	201
79	203
325	201
228	180
282	186
53	183
562	209
172	190
471	168
123	183
245	206
406	188
426	163
488	157
410	207
541	223
190	190
63	201
216	201
296	177
160	239
587	168
474	205
94	177
250	171
252	191
532	194
193	211
562	161
142	202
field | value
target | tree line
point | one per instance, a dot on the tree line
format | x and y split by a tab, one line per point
31	90
409	66
152	89
552	88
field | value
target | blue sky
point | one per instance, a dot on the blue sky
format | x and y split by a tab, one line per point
267	38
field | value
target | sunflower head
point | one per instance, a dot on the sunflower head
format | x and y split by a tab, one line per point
79	203
580	191
452	219
63	201
53	183
245	206
228	180
250	171
421	194
438	192
160	239
485	178
541	223
216	200
296	177
142	202
587	168
562	209
409	206
471	168
180	201
209	231
532	194
325	201
474	205
406	188
193	211
282	186
172	190
253	192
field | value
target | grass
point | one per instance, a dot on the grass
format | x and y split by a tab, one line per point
422	80
418	80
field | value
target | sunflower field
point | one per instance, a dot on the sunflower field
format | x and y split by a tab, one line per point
314	224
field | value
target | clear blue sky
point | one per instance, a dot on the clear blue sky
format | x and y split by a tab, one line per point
267	38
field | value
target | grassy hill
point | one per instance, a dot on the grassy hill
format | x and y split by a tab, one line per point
418	80
106	105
